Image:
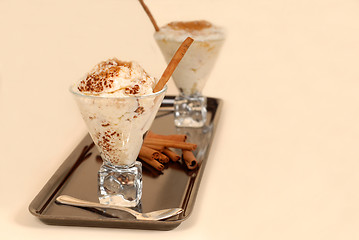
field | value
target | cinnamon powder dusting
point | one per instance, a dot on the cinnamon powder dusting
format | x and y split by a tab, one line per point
190	26
100	78
132	90
106	141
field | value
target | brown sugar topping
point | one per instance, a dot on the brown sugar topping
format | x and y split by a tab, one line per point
132	90
100	78
190	26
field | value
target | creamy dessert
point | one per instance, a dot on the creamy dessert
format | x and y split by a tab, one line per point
115	78
118	105
192	72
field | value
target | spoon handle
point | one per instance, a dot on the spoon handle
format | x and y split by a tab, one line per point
67	200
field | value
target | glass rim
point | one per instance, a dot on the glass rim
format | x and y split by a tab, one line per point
180	40
158	35
76	93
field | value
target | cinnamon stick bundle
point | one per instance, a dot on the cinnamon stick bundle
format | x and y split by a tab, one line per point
155	150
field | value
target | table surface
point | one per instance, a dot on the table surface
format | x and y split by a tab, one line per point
286	147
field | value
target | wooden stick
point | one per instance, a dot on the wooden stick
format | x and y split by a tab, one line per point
177	57
149	14
168	143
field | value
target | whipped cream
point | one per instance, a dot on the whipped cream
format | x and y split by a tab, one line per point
115	78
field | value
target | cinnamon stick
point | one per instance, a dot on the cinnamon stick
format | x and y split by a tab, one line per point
149	14
157	165
172	155
155	147
189	159
177	57
149	153
170	143
174	137
163	158
148	169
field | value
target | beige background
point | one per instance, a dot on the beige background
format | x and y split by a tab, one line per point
284	162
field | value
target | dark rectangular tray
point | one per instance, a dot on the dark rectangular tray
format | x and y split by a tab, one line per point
174	187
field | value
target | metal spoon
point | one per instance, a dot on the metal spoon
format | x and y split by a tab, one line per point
155	215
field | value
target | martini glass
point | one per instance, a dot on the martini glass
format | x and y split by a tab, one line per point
190	76
117	126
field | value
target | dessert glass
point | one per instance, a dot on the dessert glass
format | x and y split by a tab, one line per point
190	76
117	126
